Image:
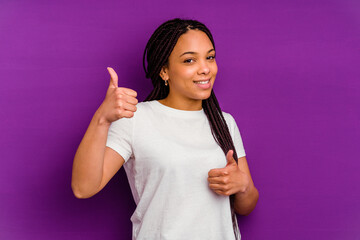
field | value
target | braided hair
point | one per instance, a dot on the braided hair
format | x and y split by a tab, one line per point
157	52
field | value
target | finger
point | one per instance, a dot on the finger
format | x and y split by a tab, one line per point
121	95
230	157
131	100
130	92
124	106
221	188
218	180
113	78
128	114
215	186
223	193
129	107
220	192
218	172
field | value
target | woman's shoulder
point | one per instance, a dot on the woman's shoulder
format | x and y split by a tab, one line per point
142	109
146	105
227	116
230	120
145	109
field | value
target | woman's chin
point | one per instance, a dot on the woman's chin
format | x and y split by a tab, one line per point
205	95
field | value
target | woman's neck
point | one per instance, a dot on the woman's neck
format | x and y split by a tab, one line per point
190	105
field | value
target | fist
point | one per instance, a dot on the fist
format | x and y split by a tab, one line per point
230	179
119	102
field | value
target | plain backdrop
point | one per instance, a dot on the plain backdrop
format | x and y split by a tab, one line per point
288	73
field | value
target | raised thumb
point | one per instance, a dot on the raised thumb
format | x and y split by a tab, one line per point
230	157
113	78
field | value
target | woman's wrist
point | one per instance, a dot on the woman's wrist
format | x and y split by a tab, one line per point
246	201
100	120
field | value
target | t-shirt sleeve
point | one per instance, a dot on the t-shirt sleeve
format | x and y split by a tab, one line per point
235	134
120	137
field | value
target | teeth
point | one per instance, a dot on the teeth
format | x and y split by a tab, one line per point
203	82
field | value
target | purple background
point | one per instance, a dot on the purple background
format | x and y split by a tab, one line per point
288	72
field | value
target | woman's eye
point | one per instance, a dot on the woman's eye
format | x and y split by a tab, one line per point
190	60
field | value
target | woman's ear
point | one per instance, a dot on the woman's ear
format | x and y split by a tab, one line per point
164	74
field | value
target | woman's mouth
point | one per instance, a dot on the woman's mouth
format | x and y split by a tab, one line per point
203	84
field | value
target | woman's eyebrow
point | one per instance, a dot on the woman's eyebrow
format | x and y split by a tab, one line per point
195	52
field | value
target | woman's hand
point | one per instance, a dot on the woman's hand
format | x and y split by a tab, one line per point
230	179
118	103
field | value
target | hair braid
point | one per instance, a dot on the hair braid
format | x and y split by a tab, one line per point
157	52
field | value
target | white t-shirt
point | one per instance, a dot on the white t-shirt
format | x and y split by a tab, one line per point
168	154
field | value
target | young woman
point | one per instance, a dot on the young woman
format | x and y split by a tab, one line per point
184	157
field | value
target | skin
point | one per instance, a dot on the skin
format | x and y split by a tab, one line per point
94	163
182	71
235	179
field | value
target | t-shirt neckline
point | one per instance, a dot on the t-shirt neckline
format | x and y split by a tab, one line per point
178	111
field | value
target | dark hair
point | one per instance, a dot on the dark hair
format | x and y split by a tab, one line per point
157	52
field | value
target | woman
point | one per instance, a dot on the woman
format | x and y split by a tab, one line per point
181	151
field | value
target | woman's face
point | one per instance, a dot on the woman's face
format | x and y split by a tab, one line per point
191	69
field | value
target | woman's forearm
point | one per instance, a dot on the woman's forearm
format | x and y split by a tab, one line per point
245	202
88	166
89	159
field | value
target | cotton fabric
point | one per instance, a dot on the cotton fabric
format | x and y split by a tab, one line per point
168	154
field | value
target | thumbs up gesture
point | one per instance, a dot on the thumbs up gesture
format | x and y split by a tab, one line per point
230	179
119	102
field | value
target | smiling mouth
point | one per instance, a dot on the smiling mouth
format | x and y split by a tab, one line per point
202	81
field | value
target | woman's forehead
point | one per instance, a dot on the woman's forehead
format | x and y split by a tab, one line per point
192	41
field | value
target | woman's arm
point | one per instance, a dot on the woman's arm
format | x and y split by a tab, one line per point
246	199
94	163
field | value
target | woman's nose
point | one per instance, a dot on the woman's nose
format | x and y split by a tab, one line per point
204	68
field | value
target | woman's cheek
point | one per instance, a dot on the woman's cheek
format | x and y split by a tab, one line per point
191	73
